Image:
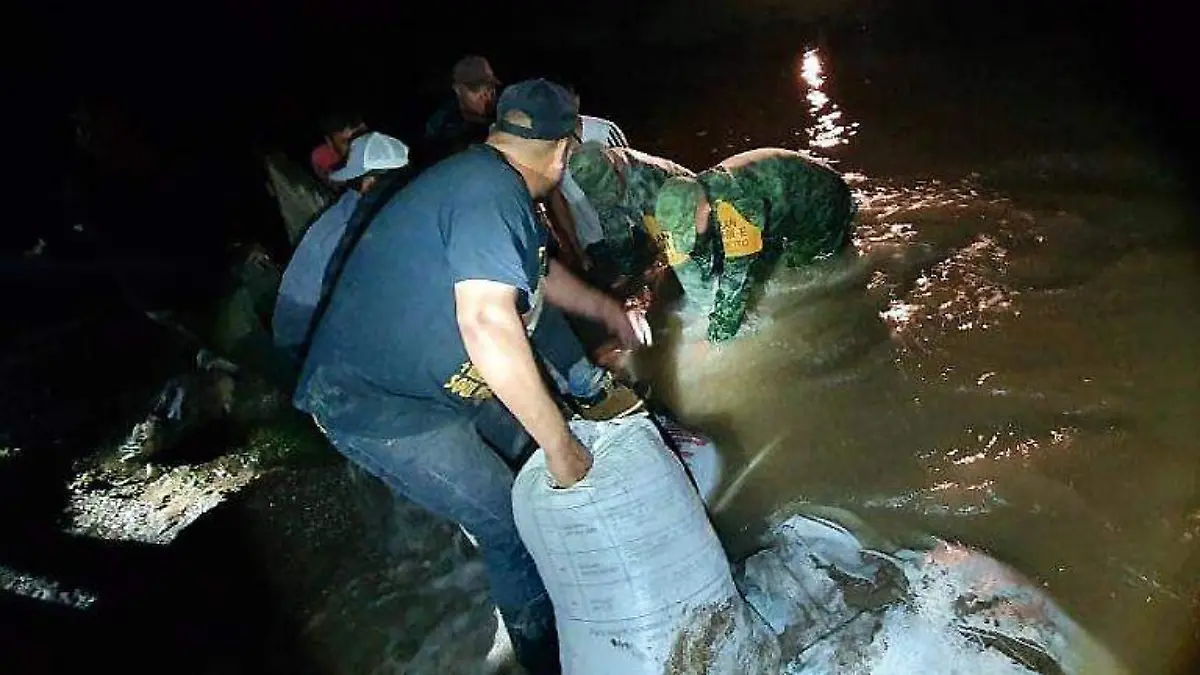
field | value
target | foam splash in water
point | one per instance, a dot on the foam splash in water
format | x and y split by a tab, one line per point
946	498
840	607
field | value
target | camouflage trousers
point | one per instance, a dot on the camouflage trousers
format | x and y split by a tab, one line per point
824	231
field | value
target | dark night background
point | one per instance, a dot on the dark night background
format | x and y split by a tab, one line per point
204	88
208	85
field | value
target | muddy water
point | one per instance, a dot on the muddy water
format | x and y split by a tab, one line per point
1009	357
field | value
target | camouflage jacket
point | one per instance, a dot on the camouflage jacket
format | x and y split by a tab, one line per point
766	204
626	211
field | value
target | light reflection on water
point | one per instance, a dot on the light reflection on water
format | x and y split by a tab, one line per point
991	410
983	369
992	366
829	128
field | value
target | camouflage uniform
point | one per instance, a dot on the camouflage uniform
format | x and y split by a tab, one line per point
622	185
766	204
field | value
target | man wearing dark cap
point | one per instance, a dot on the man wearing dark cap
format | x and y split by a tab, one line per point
421	369
465	119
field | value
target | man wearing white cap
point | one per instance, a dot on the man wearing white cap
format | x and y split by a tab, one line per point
371	156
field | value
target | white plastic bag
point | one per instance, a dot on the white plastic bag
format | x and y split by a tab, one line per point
699	454
639	581
839	607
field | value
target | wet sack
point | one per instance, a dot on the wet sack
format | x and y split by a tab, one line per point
639	581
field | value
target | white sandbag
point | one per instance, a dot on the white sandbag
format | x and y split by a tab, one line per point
700	456
639	581
841	608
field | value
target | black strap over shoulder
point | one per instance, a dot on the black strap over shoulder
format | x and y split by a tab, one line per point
365	211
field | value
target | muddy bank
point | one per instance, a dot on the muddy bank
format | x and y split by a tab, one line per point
311	570
1019	376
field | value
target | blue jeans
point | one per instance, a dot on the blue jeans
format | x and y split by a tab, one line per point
463	472
564	357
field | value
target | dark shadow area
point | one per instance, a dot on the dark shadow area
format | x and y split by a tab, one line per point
64	395
178	179
203	604
203	444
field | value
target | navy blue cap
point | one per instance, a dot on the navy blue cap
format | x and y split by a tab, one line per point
550	107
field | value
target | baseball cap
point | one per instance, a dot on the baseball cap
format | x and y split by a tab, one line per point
474	71
550	107
372	151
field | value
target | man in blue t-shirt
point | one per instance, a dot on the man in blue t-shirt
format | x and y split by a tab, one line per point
372	156
421	369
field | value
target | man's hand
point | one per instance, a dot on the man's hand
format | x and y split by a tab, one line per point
628	326
568	463
567	292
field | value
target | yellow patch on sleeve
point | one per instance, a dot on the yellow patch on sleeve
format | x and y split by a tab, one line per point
664	241
739	236
651	225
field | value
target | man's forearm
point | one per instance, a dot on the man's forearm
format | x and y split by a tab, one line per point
496	343
571	294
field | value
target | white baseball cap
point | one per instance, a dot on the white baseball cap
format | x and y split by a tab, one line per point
372	151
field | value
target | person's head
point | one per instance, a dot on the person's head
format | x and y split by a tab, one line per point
597	175
682	209
371	155
340	128
574	94
475	86
535	129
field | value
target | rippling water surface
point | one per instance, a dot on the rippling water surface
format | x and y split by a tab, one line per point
1010	356
1007	359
